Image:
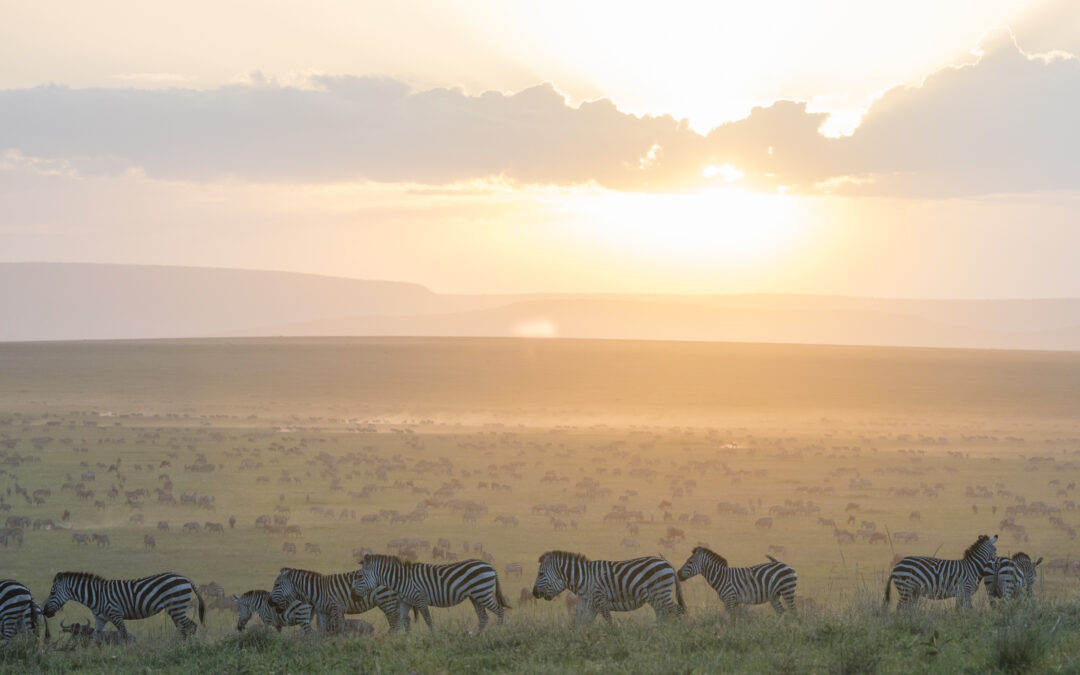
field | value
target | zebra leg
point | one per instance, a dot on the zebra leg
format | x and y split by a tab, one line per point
427	616
117	621
789	600
776	604
481	614
185	625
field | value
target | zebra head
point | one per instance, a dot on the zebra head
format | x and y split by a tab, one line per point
552	577
285	590
59	595
375	571
360	587
694	564
983	553
244	610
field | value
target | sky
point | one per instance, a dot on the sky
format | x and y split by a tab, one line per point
916	149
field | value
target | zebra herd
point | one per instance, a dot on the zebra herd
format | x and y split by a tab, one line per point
399	587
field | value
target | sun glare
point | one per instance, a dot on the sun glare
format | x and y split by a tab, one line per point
724	226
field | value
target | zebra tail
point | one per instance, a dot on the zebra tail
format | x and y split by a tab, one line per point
771	558
888	590
199	598
499	597
678	594
48	636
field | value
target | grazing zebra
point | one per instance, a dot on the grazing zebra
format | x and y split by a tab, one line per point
331	597
421	585
1005	580
18	613
1011	576
114	600
607	586
768	582
1027	568
258	602
936	578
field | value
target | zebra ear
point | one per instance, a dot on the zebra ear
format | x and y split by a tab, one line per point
1037	562
235	597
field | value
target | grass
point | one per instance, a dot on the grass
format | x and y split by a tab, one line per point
1028	636
305	423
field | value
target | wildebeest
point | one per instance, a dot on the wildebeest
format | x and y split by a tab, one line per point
763	523
83	633
149	541
513	569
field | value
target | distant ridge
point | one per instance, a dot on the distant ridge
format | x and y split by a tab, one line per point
67	301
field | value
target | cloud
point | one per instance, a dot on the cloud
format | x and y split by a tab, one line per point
1003	124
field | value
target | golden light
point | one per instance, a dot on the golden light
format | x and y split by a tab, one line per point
721	227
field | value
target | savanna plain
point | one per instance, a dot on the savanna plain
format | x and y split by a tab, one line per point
240	457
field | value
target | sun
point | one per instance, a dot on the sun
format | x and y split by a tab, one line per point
724	226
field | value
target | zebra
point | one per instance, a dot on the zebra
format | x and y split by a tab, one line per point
114	600
331	597
18	612
605	586
421	585
772	582
1027	568
1005	580
936	578
258	602
1011	576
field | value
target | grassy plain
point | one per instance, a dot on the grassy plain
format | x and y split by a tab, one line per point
608	425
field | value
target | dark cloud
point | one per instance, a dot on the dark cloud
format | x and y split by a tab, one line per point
1003	124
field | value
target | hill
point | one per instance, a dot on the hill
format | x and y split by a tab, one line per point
59	301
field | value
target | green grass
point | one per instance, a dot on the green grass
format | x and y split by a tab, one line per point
1039	636
690	424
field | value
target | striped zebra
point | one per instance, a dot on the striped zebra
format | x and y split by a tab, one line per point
1011	576
1027	568
772	582
18	613
331	597
1005	580
421	585
924	576
605	586
114	600
258	602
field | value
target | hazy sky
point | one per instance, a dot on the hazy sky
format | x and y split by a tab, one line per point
918	149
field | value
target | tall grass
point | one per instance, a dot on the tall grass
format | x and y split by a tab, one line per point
1038	636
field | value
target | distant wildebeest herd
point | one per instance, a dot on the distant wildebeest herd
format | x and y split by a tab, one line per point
398	587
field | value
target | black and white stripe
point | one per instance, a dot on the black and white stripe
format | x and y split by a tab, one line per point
331	597
605	586
923	576
773	582
258	602
18	613
421	585
1027	569
1011	577
114	600
1005	580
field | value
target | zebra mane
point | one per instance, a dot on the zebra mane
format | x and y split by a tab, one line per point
1020	556
392	559
90	576
256	594
576	557
711	556
293	571
972	550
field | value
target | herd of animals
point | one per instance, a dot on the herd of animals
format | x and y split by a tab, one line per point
398	587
